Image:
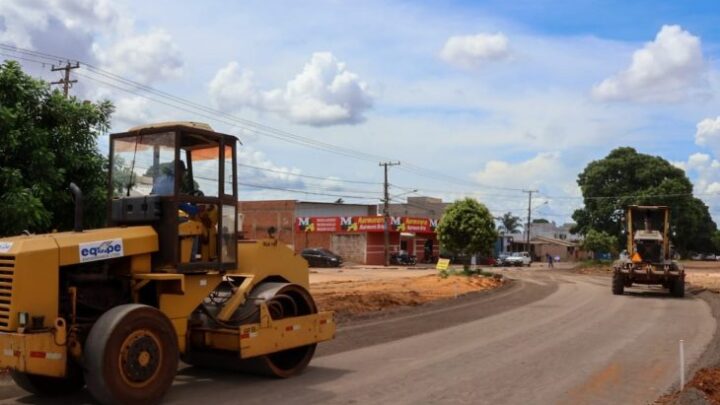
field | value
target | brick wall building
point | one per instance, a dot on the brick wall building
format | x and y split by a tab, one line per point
301	224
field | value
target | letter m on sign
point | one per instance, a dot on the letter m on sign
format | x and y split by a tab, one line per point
345	221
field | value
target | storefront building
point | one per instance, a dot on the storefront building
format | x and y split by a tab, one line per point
354	231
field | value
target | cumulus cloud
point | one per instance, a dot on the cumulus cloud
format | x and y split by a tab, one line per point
324	93
147	57
669	68
472	51
62	27
708	134
545	172
541	169
93	31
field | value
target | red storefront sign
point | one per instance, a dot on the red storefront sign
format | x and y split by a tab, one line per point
365	224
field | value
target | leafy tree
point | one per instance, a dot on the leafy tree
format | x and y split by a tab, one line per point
626	177
46	142
467	227
600	242
540	221
509	223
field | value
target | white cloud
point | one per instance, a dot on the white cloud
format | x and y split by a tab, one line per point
669	68
472	51
131	111
539	170
545	172
93	31
708	134
698	160
324	93
147	57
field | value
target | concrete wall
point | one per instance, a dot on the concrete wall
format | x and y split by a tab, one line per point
351	246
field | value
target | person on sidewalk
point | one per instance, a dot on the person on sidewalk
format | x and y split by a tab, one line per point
549	260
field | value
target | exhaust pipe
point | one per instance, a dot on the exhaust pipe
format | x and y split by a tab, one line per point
78	197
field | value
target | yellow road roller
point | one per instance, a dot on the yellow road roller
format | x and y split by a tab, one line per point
114	309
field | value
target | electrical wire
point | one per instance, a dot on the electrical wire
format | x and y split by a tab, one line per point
260	128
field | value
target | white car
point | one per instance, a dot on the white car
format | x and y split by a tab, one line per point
519	259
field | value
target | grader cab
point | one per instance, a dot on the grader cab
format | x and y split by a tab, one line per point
649	259
116	308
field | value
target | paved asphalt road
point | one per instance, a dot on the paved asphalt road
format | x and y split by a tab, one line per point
552	338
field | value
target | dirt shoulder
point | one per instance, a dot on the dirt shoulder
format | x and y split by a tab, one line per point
703	280
355	292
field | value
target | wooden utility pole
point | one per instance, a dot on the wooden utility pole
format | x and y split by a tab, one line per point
527	236
66	82
386	210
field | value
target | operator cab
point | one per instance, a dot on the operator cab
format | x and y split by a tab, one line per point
650	225
181	179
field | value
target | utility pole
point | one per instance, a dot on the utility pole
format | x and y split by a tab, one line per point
66	82
527	236
386	210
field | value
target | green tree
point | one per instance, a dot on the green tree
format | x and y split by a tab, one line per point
509	223
626	177
46	142
600	242
467	227
540	221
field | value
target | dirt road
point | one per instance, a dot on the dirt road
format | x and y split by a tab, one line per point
549	338
573	343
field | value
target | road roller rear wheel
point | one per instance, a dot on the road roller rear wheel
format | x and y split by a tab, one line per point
131	355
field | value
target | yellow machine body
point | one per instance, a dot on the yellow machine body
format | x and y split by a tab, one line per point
44	322
29	269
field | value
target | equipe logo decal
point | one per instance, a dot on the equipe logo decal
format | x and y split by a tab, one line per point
5	247
101	250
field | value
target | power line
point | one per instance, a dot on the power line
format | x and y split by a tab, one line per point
304	192
308	176
264	129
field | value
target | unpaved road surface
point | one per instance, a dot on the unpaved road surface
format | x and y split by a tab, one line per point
548	338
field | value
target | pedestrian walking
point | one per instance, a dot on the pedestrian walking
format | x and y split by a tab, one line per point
549	260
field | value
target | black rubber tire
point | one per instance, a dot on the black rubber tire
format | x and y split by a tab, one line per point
677	288
45	386
618	284
104	370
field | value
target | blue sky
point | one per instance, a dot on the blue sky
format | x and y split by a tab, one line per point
488	95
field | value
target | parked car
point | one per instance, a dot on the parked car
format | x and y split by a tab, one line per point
710	256
697	256
320	257
501	260
519	259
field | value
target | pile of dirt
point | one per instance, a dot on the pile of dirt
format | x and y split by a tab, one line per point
704	388
349	298
707	380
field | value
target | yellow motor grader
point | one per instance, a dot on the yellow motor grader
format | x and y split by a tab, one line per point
116	308
648	259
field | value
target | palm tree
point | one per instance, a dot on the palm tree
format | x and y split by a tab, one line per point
509	223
